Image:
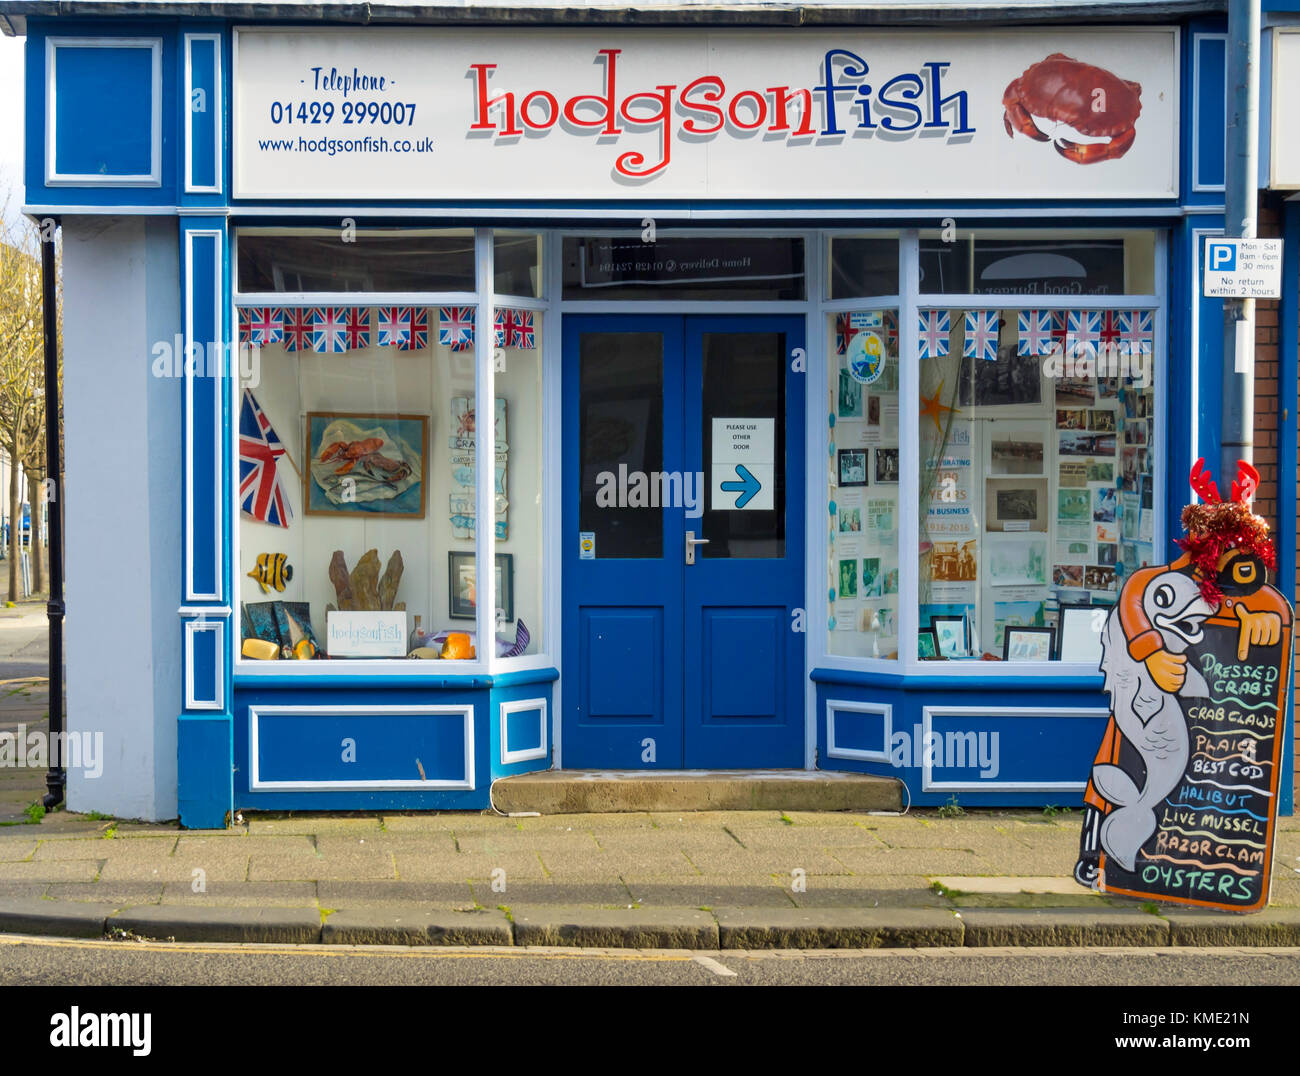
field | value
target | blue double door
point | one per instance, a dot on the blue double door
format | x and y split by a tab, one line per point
683	542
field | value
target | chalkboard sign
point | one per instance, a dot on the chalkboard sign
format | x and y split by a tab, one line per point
1214	836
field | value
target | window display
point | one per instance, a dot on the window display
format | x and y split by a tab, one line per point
1036	472
357	455
863	480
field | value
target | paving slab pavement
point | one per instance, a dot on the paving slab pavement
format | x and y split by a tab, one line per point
715	879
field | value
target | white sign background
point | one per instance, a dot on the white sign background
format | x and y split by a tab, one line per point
431	68
750	442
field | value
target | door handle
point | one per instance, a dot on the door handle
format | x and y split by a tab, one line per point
691	543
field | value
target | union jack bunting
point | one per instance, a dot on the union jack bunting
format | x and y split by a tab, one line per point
935	325
394	325
456	327
329	334
418	338
1136	331
245	325
1083	332
498	328
519	329
299	324
981	334
261	493
357	326
891	332
1110	330
265	325
1058	331
1034	332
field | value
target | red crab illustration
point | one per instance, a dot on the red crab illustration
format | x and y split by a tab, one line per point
1068	91
366	455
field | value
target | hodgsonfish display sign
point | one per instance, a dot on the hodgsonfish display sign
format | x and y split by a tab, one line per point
424	113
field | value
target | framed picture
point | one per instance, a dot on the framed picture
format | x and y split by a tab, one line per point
852	466
886	466
366	464
1027	644
926	647
462	584
1016	504
1080	633
949	635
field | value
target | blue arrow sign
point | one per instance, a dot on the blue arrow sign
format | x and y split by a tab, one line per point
747	487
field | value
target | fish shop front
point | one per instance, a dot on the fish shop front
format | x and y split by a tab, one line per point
837	372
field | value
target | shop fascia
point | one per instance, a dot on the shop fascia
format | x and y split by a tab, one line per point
906	102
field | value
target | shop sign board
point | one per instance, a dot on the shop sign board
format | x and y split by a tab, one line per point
1242	269
856	113
744	464
378	633
1283	143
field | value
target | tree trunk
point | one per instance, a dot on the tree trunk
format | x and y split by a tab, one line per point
37	502
15	525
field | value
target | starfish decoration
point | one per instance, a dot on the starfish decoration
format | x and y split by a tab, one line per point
931	406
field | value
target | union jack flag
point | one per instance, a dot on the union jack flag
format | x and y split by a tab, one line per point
935	325
261	493
1083	332
456	327
499	328
1136	331
844	332
1034	332
394	325
519	329
265	325
299	324
418	338
245	325
329	335
891	332
981	334
357	327
1058	331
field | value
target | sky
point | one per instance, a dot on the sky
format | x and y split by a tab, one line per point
11	122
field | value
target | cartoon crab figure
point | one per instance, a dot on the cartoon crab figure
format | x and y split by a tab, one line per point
1088	99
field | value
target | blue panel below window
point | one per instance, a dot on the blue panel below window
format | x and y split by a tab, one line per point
855	732
350	750
205	666
103	110
524	730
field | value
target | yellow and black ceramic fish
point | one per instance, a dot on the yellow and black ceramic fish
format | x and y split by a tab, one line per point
273	570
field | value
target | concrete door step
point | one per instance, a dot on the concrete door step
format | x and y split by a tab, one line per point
605	791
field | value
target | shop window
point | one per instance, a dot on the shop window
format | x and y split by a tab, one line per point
344	259
684	267
1036	476
516	264
357	481
863	266
520	502
1010	264
862	499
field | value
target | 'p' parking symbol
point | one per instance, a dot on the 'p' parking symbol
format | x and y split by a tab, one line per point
1221	257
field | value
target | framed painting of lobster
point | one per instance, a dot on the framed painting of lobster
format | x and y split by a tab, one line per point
366	464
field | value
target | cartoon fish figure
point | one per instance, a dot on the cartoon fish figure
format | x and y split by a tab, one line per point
272	570
1148	716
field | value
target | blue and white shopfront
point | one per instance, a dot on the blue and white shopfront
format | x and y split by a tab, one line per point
832	399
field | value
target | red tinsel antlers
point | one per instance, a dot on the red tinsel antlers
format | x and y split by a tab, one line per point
1243	489
1202	484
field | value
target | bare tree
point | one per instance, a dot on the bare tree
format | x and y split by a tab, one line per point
22	390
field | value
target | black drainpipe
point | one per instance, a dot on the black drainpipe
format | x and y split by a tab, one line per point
56	778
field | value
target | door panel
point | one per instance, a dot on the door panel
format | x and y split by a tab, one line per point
622	609
744	662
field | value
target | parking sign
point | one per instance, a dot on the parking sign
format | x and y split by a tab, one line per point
1242	268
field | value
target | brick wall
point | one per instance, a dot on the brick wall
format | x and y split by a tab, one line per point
1268	416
